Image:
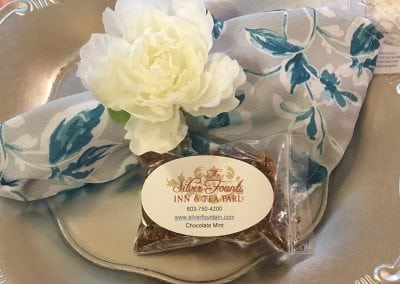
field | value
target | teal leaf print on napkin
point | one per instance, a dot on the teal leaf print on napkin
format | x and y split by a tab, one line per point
331	83
3	153
304	115
368	64
312	126
71	136
13	148
88	158
341	95
240	95
365	40
217	28
299	71
272	42
13	183
221	120
317	174
315	126
307	116
307	173
3	159
199	144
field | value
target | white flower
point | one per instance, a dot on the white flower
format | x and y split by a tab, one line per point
153	63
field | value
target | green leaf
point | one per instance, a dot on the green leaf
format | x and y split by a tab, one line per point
119	117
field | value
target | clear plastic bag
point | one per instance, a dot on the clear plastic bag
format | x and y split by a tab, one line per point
286	161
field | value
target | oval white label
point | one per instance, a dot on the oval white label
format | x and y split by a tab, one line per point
207	196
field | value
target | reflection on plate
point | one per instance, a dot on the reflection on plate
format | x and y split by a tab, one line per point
99	222
102	226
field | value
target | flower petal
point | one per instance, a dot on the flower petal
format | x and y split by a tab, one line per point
102	59
222	77
159	137
137	6
94	68
126	20
152	113
112	23
195	12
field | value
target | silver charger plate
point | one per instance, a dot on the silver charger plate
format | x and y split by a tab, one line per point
38	53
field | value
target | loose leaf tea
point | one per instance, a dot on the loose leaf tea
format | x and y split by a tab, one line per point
273	228
152	237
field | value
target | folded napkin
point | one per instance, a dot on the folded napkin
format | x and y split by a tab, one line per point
308	72
228	9
61	145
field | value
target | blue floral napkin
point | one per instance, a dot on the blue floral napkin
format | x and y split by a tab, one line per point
308	72
61	145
